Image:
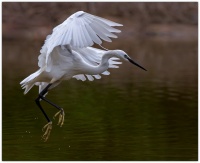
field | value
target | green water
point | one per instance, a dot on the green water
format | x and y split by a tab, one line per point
128	115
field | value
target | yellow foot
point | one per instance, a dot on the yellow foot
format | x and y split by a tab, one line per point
61	119
48	128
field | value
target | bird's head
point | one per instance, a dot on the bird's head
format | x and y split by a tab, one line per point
121	54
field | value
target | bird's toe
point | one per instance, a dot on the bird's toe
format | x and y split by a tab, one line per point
47	128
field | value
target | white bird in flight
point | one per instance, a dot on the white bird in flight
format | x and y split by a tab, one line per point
67	53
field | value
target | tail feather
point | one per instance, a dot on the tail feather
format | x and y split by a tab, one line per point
29	82
27	88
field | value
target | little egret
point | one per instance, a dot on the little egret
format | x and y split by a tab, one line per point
67	53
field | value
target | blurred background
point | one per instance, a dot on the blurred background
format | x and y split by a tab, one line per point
129	115
36	20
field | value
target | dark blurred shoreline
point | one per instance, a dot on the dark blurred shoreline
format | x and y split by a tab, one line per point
168	20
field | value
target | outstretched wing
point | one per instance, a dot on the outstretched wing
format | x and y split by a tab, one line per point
93	56
80	30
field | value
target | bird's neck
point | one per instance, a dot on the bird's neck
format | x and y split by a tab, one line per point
103	66
104	61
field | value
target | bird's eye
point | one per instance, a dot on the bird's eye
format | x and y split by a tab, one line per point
125	56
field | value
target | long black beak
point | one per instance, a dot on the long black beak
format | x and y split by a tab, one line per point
130	60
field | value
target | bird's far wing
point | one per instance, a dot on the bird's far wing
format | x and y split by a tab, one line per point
59	53
93	56
80	30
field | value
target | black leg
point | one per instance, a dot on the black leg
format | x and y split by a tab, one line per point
39	105
38	101
51	103
61	111
41	96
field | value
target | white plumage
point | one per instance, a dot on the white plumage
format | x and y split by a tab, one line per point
74	36
67	53
80	30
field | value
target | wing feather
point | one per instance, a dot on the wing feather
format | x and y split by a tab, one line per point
90	78
87	36
80	77
105	29
100	34
105	26
80	30
82	34
97	76
74	39
93	35
93	56
106	73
